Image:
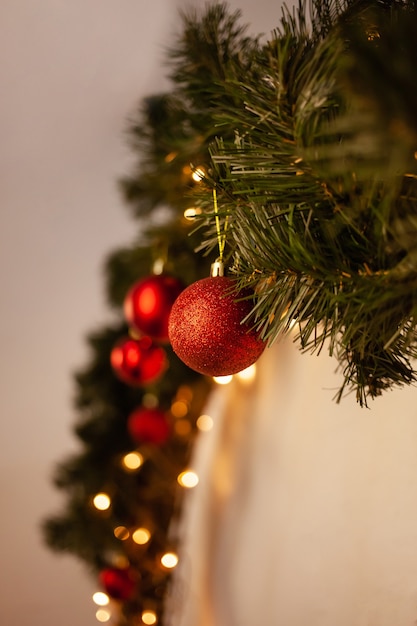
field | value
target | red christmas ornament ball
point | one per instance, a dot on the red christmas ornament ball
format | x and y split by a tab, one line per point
148	426
138	361
148	303
206	330
118	583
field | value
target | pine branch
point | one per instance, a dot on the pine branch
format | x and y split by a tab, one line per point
320	219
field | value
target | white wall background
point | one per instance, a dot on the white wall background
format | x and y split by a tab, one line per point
70	73
306	511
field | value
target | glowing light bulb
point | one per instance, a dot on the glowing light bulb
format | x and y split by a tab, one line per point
205	423
101	598
170	157
185	393
169	560
121	532
132	461
247	374
198	174
191	213
103	615
188	479
141	536
223	380
149	617
102	501
182	427
179	408
292	324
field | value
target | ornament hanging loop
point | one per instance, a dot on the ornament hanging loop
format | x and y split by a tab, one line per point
217	268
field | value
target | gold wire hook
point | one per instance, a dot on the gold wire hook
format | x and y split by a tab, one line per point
221	237
217	269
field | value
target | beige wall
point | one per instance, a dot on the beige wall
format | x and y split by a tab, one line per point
306	512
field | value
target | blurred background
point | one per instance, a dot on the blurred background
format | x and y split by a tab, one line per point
71	75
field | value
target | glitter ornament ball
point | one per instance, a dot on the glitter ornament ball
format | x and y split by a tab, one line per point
148	303
148	426
118	583
206	330
138	362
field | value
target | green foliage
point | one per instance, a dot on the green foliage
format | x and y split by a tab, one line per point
319	187
173	131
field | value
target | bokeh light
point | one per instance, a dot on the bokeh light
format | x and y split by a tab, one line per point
188	479
132	461
169	560
205	423
198	174
103	615
141	536
149	617
101	598
102	501
191	213
223	380
248	374
121	532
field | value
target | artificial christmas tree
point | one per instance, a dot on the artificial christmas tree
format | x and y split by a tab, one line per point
310	151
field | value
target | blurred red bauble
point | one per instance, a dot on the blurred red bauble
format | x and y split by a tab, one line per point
206	330
138	361
148	303
148	426
118	583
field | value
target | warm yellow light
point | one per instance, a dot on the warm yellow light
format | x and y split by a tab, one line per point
247	374
182	427
101	598
103	615
292	324
188	479
198	174
170	157
179	408
121	532
102	501
158	266
169	560
141	536
149	617
223	380
205	423
185	393
132	460
192	212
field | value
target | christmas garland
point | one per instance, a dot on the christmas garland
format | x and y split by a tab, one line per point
298	157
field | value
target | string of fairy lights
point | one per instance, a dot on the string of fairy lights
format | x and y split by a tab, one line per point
108	609
136	574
